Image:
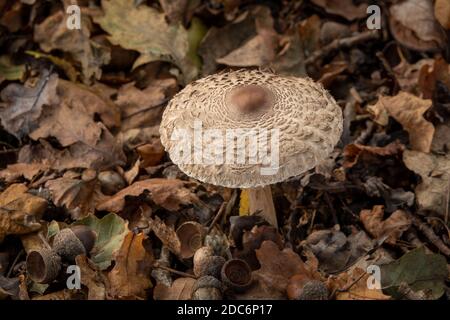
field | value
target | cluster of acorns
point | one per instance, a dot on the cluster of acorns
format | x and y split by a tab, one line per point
216	275
44	265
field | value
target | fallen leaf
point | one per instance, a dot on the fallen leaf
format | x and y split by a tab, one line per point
392	227
420	271
353	151
167	193
413	24
19	170
66	66
359	290
52	34
335	251
111	231
20	211
78	196
408	110
160	41
130	277
166	234
343	8
431	74
92	278
151	153
273	276
442	13
10	71
174	9
144	108
431	193
181	289
24	105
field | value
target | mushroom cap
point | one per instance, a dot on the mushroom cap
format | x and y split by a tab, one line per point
305	115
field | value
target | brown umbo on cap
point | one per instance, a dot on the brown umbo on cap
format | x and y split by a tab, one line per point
307	118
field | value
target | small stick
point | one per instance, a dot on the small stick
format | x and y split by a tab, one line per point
429	233
342	43
218	215
180	273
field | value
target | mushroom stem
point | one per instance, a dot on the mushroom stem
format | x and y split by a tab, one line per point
260	199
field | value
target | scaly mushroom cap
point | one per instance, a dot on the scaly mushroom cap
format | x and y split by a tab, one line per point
306	117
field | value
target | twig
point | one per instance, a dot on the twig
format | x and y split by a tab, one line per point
180	273
217	217
9	151
431	236
14	263
342	43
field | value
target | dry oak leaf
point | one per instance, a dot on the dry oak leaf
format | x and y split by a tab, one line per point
277	267
431	193
52	34
166	234
24	105
442	12
360	289
18	170
78	196
20	211
144	108
413	24
430	74
92	278
170	194
408	110
160	41
343	8
130	277
353	151
392	227
181	289
151	153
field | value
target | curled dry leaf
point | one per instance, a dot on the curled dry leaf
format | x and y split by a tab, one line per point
413	24
181	289
20	211
343	8
358	290
160	41
353	151
408	110
335	251
78	196
392	227
52	34
167	193
432	191
442	13
273	277
151	153
130	277
92	278
18	170
166	234
24	105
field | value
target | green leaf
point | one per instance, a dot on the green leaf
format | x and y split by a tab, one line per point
145	30
420	271
196	33
52	229
9	71
111	231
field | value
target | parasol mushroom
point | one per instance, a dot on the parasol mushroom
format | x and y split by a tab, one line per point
250	129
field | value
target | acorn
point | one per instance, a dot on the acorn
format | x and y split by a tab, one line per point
236	275
43	266
191	236
209	266
111	182
207	288
301	287
202	253
71	242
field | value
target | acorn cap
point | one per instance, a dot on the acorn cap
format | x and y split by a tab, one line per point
236	274
191	236
307	117
71	242
300	287
43	266
207	288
